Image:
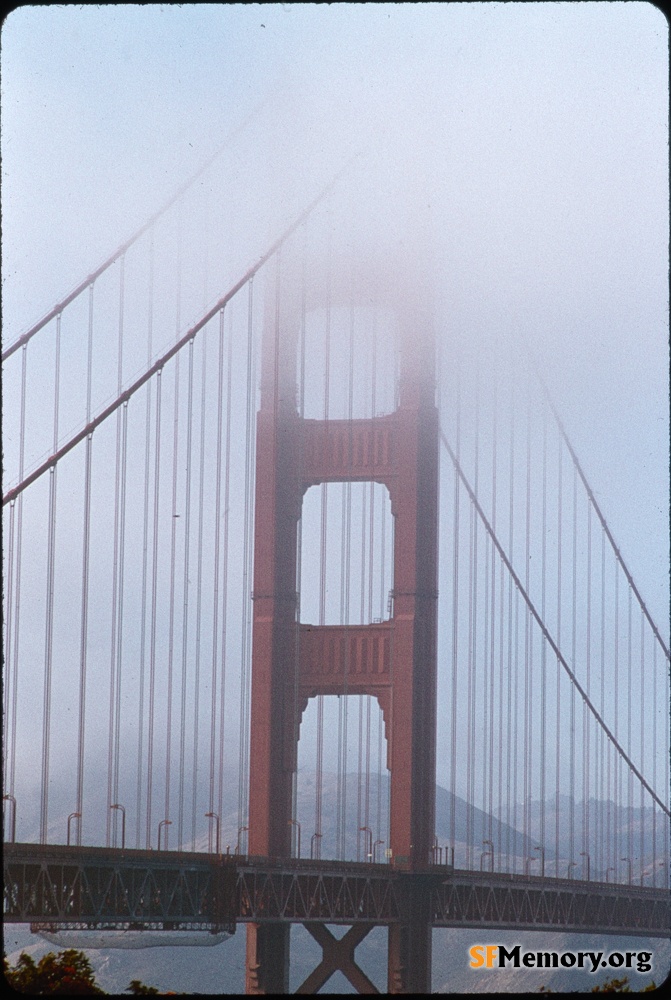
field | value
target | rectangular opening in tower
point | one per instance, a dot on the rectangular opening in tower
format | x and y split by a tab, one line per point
342	783
346	554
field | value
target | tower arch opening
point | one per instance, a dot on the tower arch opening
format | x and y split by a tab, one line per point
342	784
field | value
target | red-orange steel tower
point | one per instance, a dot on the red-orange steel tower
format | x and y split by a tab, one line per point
394	660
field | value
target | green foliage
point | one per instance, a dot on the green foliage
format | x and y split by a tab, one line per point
68	973
611	986
138	989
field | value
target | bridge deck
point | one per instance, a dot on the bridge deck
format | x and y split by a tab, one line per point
105	888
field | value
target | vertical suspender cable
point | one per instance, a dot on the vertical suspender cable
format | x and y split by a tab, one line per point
511	727
215	583
185	599
490	794
605	791
154	594
247	542
617	819
299	533
371	570
630	776
528	689
49	624
455	623
171	625
110	815
346	579
484	698
322	564
122	542
667	679
10	679
14	665
643	731
145	547
119	647
558	742
541	833
472	619
199	596
585	714
574	664
654	762
362	618
225	540
175	515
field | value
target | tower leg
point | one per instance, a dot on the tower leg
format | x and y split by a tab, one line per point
267	965
409	955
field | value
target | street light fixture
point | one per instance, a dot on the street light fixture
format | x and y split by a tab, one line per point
214	816
70	818
584	854
571	864
294	822
488	854
366	829
315	836
164	822
542	857
123	823
241	829
374	846
10	798
630	866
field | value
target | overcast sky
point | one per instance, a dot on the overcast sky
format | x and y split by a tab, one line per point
539	131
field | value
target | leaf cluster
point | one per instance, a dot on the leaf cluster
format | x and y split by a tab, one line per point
611	986
68	973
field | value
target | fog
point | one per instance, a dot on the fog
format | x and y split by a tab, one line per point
507	161
534	133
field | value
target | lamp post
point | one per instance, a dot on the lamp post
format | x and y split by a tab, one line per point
542	857
366	829
70	818
628	860
374	846
164	822
241	829
571	864
608	871
214	816
10	798
315	836
488	854
123	823
584	854
294	822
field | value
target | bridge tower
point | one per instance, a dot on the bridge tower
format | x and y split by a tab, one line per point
394	660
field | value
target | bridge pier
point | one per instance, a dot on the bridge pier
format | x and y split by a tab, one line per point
267	959
409	954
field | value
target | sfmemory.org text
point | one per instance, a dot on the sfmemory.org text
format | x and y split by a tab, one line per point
497	956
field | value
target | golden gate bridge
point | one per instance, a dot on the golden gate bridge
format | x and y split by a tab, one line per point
284	550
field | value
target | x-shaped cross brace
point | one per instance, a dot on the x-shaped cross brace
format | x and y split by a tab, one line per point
338	954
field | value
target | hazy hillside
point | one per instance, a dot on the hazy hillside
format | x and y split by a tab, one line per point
221	968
